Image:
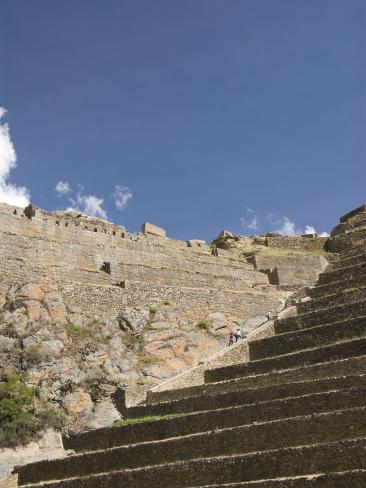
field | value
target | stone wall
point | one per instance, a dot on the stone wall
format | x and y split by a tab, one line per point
303	243
101	265
290	270
11	482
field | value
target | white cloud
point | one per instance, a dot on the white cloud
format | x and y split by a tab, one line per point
309	229
285	227
88	204
62	188
9	193
121	196
250	221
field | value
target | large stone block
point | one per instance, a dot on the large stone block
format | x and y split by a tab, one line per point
148	228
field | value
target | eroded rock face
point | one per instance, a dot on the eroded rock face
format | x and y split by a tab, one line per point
133	319
76	361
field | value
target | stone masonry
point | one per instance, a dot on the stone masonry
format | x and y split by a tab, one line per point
288	413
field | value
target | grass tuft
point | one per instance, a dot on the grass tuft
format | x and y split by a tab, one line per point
149	418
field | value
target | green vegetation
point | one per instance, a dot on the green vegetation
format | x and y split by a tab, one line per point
149	418
153	310
202	325
23	414
133	339
35	353
149	360
167	302
73	329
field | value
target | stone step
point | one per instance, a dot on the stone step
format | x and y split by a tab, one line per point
338	313
354	250
325	371
354	348
239	403
226	420
344	479
342	273
336	287
345	262
326	457
248	396
348	295
307	338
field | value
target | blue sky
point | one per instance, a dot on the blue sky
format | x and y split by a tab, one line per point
199	109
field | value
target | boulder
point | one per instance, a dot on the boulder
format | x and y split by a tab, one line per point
32	291
196	243
78	402
6	343
57	311
53	348
104	414
133	319
33	309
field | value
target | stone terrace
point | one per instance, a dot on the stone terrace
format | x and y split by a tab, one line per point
294	415
100	265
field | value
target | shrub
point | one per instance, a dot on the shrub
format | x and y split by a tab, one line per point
23	414
167	302
202	325
153	310
146	360
73	329
34	353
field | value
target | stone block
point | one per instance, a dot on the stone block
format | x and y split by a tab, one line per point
353	213
148	228
196	243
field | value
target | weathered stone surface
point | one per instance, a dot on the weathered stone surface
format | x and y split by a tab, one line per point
78	402
104	414
56	310
49	446
33	309
133	318
254	322
196	243
288	312
148	228
32	291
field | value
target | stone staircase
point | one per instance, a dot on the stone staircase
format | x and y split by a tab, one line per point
293	416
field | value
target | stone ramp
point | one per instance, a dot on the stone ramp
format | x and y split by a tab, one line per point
294	415
316	372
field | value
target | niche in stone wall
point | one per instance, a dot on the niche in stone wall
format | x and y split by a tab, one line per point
106	267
